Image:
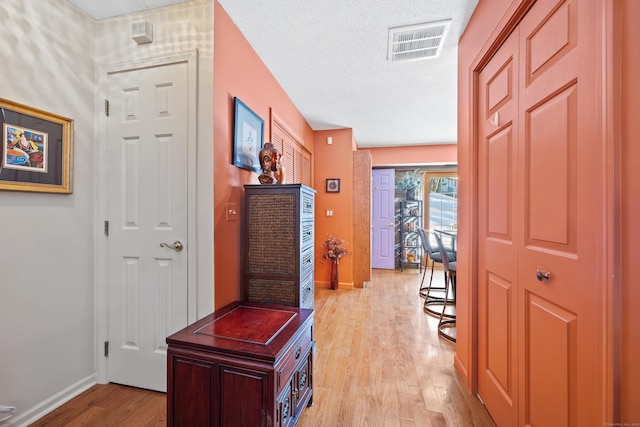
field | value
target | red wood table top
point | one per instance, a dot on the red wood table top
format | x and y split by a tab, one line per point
245	329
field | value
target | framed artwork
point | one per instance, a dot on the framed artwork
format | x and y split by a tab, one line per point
35	149
333	185
248	137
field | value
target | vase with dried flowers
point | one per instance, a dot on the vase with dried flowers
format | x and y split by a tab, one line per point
335	250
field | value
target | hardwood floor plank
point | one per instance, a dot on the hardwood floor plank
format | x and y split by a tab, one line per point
378	362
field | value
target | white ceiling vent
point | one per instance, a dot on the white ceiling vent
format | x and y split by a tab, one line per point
415	42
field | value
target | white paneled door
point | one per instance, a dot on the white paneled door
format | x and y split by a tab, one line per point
147	206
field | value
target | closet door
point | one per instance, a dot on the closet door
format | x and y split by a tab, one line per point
561	250
498	233
541	210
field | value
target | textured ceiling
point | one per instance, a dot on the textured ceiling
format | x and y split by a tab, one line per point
330	56
102	9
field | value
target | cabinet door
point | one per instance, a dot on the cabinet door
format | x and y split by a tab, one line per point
191	392
244	397
286	404
302	385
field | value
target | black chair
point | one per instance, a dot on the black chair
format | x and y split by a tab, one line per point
447	322
432	295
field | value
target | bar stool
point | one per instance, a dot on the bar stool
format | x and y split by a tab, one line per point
433	296
447	321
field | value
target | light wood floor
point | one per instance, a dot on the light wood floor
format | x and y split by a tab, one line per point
378	362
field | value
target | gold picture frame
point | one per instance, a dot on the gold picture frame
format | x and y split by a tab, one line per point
35	149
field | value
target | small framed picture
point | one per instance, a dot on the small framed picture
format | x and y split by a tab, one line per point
248	135
333	185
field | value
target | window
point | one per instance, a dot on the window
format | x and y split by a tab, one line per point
442	201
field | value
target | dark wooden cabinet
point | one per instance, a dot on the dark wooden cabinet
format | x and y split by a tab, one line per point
247	364
278	245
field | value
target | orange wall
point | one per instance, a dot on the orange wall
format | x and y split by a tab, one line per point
630	245
238	71
414	155
334	161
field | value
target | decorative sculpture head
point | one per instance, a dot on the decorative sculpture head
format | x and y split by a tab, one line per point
271	165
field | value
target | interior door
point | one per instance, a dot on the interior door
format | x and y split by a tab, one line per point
383	219
561	175
498	233
147	163
540	198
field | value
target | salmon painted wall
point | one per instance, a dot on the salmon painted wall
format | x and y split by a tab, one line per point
418	154
337	163
630	245
482	24
238	71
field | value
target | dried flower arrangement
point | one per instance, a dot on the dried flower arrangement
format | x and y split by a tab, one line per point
335	249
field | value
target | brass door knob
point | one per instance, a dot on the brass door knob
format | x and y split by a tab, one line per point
176	246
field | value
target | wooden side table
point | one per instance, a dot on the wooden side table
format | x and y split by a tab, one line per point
247	364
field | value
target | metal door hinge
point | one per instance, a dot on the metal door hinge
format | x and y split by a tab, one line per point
106	107
106	228
106	349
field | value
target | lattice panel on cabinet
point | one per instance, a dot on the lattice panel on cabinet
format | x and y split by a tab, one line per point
271	243
272	292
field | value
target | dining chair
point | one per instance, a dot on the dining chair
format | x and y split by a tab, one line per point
447	321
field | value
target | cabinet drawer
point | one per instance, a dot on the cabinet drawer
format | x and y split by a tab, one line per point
306	204
306	292
306	234
297	353
306	262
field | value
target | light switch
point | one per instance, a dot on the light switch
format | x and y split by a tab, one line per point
329	212
232	211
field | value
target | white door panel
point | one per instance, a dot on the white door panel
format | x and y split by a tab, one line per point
147	164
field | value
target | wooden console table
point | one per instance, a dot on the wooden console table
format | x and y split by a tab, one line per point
247	364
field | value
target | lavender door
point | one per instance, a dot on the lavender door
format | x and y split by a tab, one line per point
383	219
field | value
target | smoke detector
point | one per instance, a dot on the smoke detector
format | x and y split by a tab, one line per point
418	41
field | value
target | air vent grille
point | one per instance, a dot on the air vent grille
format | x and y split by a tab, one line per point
415	42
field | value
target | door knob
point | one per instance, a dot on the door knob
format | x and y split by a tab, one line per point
541	274
391	224
176	246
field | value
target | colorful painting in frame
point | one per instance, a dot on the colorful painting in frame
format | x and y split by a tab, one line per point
24	149
35	150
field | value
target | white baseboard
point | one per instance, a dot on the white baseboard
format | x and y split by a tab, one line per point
43	408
